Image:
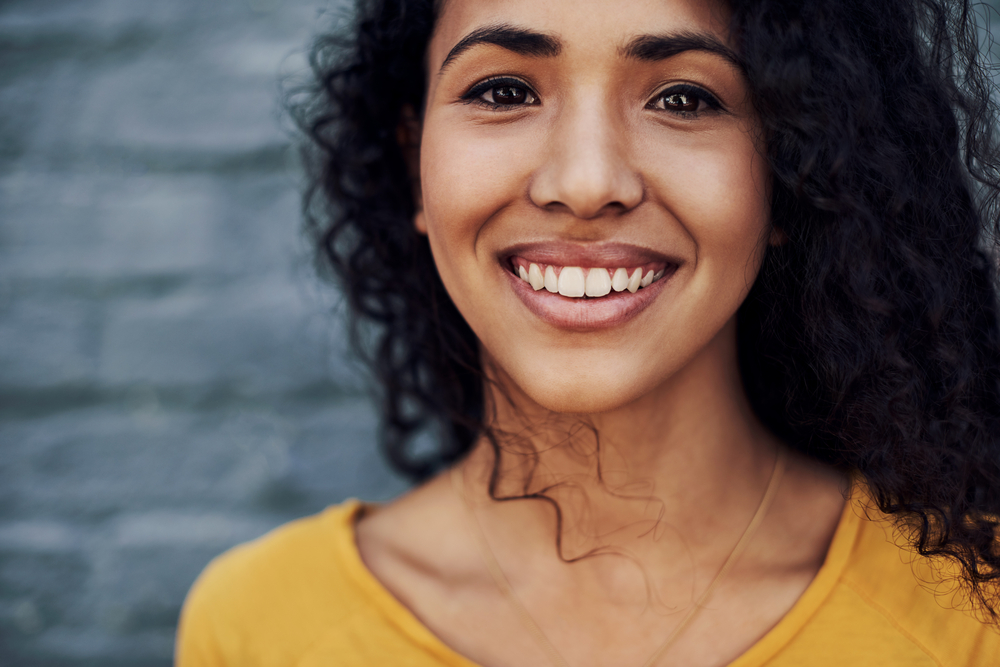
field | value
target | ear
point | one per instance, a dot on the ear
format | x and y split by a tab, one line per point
777	237
419	223
408	137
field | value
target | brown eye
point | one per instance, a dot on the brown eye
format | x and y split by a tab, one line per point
686	100
509	95
499	94
680	102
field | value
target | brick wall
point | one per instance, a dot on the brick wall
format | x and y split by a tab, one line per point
172	376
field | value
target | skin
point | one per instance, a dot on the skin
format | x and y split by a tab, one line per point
597	157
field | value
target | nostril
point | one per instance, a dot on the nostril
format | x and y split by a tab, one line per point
610	209
590	198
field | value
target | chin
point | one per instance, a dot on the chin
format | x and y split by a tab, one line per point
586	392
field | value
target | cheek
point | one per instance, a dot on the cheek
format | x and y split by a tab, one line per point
718	192
471	175
467	175
451	203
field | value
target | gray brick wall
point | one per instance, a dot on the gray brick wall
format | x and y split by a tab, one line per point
172	376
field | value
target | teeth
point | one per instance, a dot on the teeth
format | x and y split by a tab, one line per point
575	281
551	280
633	282
598	282
571	281
535	277
619	281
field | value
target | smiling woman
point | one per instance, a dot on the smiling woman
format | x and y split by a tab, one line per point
699	299
619	175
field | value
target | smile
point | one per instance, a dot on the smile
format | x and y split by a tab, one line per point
581	289
577	282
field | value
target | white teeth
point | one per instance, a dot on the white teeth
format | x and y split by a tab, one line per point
620	280
551	280
571	281
535	277
633	282
575	281
598	282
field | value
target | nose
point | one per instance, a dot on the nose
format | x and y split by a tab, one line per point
586	168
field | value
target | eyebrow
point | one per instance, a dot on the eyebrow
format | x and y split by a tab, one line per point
652	48
519	40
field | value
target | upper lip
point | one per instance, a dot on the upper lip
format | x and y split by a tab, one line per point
602	254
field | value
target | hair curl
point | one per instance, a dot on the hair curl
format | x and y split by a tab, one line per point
870	339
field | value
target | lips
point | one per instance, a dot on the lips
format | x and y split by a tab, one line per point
586	288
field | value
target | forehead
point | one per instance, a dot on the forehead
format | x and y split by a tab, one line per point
582	27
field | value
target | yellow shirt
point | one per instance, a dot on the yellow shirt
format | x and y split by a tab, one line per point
301	596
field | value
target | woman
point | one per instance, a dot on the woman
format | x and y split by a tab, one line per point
671	279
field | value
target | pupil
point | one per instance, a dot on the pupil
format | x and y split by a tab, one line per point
508	95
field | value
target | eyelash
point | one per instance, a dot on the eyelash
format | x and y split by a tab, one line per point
705	100
475	94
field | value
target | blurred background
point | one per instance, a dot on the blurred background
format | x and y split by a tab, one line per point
172	375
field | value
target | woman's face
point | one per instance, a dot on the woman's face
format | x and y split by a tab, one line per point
573	150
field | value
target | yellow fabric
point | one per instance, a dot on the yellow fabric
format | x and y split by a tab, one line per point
301	596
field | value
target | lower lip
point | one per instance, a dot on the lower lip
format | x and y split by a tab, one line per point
583	314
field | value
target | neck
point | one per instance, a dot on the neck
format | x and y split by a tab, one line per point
684	458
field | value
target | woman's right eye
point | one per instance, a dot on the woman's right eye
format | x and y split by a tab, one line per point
501	94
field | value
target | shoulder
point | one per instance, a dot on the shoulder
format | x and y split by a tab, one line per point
267	600
905	601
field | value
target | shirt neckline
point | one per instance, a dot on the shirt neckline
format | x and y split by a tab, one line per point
818	590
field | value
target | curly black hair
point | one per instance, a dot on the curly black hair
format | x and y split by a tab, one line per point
870	339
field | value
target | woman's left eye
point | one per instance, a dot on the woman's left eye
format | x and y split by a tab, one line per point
685	100
502	93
